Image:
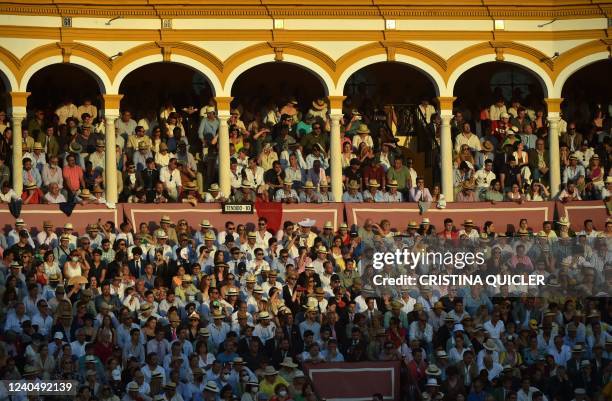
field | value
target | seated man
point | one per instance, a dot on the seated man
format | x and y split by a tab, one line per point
352	195
286	194
373	194
309	194
569	193
419	193
392	194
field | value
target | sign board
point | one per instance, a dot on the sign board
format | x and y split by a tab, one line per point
240	208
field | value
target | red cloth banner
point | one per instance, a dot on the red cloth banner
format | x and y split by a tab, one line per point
578	212
273	212
355	381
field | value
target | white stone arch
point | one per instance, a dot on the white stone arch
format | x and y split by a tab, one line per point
570	69
428	70
528	65
94	70
8	78
174	58
318	71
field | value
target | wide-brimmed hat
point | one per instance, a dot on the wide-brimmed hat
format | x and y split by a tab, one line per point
468	223
564	221
363	129
161	234
288	362
487	146
309	185
433	370
490	345
467	185
37	146
323	184
413	224
270	371
392	184
353	184
75	147
31	185
373	183
318	104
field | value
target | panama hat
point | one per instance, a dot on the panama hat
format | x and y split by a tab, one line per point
363	129
288	362
31	185
100	143
214	187
75	147
318	104
190	186
413	224
246	184
487	146
270	371
308	185
373	183
264	315
564	221
392	184
490	345
205	224
161	234
37	146
323	184
468	223
353	184
433	370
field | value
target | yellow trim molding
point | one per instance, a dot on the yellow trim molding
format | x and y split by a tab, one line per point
553	105
223	103
112	102
446	103
19	99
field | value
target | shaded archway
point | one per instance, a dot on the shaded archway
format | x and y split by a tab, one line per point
481	85
387	94
586	90
4	93
275	83
53	84
149	87
387	83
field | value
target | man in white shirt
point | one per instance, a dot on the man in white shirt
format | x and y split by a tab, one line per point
171	178
467	138
484	176
497	109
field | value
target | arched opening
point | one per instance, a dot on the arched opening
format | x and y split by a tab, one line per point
4	90
56	83
387	95
586	91
151	86
273	85
482	85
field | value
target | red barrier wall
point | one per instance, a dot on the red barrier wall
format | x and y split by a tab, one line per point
502	214
150	213
81	216
578	212
355	381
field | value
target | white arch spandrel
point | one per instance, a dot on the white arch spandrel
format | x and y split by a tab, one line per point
567	72
529	65
425	68
95	71
319	72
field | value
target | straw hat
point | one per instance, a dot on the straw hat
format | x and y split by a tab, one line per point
309	185
318	104
270	371
392	184
363	129
214	187
37	146
564	221
490	345
373	183
468	223
288	362
353	184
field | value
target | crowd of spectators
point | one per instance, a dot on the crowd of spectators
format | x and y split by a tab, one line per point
169	312
281	154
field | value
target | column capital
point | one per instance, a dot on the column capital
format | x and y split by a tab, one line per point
446	103
223	103
112	101
19	99
335	102
553	104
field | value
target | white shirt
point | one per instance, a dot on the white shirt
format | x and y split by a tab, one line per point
170	179
472	141
484	178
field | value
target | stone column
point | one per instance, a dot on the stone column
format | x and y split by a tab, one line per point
225	177
446	148
335	147
111	113
553	117
19	102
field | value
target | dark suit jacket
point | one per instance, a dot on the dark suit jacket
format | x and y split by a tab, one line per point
53	148
149	178
565	138
533	158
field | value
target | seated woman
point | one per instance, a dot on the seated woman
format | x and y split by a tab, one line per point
538	192
515	194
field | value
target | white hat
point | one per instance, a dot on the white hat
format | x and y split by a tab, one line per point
307	223
432	381
211	386
133	386
58	335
